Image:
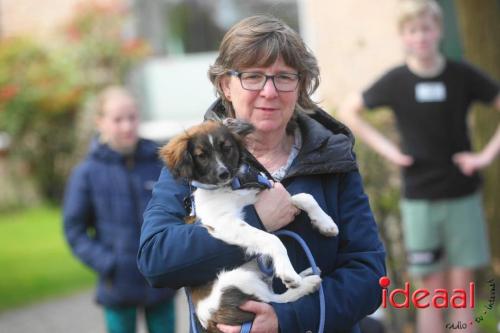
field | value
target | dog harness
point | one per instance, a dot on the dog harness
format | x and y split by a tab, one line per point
248	177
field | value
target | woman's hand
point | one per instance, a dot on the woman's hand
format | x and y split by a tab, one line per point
275	209
265	320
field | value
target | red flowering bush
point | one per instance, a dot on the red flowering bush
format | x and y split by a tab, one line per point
43	88
34	85
97	38
40	93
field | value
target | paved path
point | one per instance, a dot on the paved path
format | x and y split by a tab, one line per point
74	314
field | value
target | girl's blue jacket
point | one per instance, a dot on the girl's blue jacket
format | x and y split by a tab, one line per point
104	201
175	254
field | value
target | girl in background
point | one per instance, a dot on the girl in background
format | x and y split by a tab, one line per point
104	201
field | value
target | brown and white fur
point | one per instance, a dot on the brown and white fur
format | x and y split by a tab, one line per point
212	153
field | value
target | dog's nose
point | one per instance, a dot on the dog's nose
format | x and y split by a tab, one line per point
223	174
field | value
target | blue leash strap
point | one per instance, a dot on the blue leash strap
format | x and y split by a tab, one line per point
315	270
192	319
246	327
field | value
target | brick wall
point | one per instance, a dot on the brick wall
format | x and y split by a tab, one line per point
36	17
354	41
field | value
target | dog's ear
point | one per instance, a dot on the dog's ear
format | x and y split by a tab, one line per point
239	127
177	157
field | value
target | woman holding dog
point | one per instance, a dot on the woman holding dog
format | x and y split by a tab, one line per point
265	75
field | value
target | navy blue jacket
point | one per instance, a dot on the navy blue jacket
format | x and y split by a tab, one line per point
175	254
103	206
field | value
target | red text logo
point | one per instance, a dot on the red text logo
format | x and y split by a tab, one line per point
423	298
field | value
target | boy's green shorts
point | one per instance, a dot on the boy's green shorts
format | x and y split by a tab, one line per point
444	233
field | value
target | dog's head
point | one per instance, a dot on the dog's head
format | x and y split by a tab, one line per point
209	153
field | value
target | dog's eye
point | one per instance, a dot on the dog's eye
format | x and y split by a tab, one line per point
201	155
226	146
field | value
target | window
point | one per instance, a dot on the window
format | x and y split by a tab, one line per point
191	26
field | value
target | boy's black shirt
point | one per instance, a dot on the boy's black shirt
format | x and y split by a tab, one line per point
431	116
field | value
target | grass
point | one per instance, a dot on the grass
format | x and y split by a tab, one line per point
35	261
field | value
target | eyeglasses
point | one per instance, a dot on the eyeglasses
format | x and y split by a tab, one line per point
284	82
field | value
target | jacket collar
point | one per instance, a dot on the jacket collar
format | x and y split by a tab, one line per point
327	146
145	150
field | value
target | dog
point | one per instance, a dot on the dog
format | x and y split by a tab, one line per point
211	156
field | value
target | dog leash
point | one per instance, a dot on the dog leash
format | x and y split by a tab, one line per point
246	327
315	269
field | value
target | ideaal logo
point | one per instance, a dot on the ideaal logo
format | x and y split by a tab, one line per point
423	298
439	299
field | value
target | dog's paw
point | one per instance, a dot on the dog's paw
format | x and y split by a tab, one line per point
203	322
325	225
330	230
203	314
311	283
308	272
288	276
292	281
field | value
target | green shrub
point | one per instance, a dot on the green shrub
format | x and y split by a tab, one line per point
40	92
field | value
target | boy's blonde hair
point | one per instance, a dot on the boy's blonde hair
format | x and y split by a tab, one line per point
410	9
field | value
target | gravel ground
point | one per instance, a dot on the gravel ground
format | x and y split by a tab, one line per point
73	314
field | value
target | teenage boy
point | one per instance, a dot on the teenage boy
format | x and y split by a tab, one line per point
443	223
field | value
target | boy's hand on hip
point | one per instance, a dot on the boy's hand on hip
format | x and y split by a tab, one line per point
469	162
400	159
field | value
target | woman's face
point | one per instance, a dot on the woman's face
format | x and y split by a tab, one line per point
267	109
119	122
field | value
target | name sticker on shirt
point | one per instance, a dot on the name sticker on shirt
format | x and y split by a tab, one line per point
430	92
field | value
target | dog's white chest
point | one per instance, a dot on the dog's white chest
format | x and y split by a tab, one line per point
214	204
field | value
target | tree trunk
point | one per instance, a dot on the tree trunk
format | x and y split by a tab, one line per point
479	21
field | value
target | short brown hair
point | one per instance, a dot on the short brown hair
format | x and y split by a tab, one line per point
410	9
259	41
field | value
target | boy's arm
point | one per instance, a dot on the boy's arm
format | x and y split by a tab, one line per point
470	162
350	113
